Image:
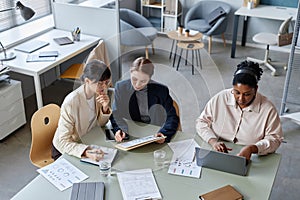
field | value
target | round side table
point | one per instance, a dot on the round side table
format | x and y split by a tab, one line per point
177	37
195	47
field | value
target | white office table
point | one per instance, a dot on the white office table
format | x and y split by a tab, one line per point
35	69
261	11
256	185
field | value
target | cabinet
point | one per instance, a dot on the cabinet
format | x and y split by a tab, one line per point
12	112
163	14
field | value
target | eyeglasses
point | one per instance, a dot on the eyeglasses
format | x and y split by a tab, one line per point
103	83
246	94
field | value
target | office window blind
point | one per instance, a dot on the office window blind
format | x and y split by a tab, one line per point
12	18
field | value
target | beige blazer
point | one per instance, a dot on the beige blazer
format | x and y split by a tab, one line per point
74	123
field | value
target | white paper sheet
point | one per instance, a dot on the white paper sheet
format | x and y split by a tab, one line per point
138	185
62	174
183	161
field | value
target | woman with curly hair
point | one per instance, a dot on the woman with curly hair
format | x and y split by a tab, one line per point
241	115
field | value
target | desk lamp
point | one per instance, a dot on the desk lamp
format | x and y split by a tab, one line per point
27	13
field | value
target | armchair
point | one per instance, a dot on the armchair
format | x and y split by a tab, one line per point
202	17
136	30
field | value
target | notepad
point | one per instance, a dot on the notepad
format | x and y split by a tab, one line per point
125	146
63	40
31	46
227	192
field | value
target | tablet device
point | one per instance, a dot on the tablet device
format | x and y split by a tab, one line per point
222	161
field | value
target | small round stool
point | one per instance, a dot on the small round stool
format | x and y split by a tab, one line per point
195	47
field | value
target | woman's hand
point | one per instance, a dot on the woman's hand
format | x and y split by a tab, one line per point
219	146
103	99
94	154
160	135
247	151
120	135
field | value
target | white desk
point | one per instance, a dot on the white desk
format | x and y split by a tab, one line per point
256	185
35	69
261	11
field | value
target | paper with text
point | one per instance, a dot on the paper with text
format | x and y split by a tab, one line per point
183	161
62	174
138	185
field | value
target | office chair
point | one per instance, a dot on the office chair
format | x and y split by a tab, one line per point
272	39
136	30
209	18
75	70
44	123
178	114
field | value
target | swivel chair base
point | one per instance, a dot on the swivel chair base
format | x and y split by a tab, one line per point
266	62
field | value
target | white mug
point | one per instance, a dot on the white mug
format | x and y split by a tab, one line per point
250	5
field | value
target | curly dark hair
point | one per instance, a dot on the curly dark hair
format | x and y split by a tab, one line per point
247	73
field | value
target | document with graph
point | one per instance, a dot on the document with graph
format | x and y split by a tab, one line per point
62	174
183	161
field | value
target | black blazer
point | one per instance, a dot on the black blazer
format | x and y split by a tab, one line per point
160	107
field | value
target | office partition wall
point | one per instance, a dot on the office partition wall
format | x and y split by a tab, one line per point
102	22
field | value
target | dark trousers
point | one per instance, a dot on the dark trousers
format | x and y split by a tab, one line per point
55	153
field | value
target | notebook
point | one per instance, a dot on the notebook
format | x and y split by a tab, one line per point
31	46
63	40
88	191
48	54
227	192
222	161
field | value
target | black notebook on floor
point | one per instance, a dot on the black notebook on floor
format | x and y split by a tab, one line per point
88	191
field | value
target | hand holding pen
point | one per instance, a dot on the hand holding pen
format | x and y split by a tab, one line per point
94	154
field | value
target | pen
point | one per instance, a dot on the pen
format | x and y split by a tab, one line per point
194	156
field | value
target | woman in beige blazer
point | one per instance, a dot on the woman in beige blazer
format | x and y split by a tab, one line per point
83	109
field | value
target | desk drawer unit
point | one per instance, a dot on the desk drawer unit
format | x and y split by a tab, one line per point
12	113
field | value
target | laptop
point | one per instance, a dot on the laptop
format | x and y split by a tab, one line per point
222	161
31	46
